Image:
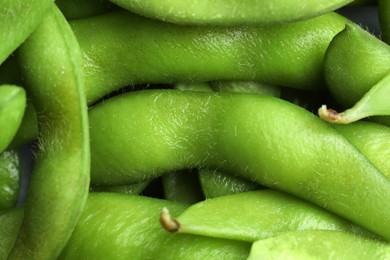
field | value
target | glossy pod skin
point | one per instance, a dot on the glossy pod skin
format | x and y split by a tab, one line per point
115	226
319	245
264	139
220	12
12	106
58	187
148	51
9	179
22	17
254	215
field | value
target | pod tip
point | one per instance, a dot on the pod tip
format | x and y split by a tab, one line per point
170	224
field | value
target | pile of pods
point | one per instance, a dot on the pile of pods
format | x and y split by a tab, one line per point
194	129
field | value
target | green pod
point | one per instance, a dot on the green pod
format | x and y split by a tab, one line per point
193	87
12	106
375	102
10	173
384	19
354	62
148	51
115	226
76	9
262	214
372	140
18	19
182	186
134	189
262	138
58	188
246	87
216	184
10	223
319	245
220	12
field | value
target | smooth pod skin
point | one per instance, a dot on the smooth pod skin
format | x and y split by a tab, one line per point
264	139
372	140
235	12
254	215
354	62
12	106
216	184
58	187
148	51
18	19
384	19
319	245
10	172
115	226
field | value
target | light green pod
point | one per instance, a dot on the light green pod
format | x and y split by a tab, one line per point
220	12
372	140
254	215
375	102
264	139
216	184
354	62
319	245
148	51
193	87
51	65
134	189
12	106
246	87
18	19
10	173
10	223
115	226
384	19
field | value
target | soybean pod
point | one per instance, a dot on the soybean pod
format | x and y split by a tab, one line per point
58	187
254	215
264	139
220	12
319	245
384	18
18	19
12	106
10	173
148	51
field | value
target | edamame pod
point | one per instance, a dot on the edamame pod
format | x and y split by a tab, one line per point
18	19
136	188
220	12
10	223
216	184
9	179
319	245
354	62
374	103
262	138
115	226
58	188
262	214
372	140
246	87
147	51
384	18
76	9
12	106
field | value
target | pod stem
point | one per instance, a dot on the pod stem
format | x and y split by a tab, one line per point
168	222
331	115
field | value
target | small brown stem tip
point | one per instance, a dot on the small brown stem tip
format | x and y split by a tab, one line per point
170	224
331	115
